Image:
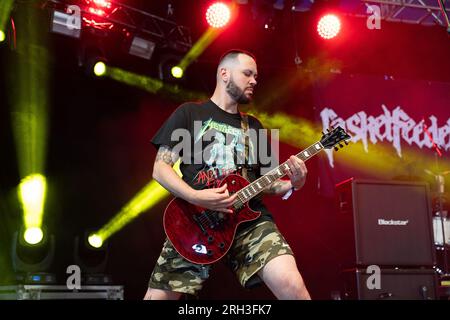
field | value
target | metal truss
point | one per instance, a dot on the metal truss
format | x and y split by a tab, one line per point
166	33
422	12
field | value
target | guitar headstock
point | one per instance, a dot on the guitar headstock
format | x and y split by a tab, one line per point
334	137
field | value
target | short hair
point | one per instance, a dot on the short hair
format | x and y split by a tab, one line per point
233	54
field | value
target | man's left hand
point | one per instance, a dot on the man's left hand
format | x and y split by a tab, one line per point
297	172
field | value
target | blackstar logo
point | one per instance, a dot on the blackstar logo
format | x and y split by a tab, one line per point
382	222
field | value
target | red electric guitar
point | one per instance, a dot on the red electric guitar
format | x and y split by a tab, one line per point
204	236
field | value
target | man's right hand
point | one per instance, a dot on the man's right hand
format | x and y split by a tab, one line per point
217	199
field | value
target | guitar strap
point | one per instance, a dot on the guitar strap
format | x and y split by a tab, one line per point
244	127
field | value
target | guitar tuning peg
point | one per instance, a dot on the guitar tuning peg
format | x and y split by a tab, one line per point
331	127
336	148
328	130
341	145
323	133
346	142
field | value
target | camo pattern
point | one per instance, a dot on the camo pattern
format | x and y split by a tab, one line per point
251	251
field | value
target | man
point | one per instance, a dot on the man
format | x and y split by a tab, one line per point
259	252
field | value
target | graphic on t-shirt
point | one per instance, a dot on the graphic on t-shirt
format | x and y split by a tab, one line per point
220	157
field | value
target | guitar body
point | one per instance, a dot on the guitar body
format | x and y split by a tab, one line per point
204	236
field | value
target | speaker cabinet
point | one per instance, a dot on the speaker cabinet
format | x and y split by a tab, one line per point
385	223
393	284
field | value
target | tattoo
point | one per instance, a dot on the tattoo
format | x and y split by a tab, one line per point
166	155
274	187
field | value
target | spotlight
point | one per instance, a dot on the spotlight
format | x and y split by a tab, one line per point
177	72
31	262
92	59
67	24
95	241
103	3
168	68
142	48
329	26
99	7
92	259
99	68
2	36
33	235
218	15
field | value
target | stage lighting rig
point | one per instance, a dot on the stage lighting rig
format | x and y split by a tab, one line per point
116	32
91	255
32	262
114	16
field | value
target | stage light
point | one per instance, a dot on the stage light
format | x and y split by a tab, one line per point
103	3
95	241
177	72
2	36
32	191
169	68
66	24
33	235
218	15
92	260
99	68
99	7
32	262
98	12
29	100
142	48
329	26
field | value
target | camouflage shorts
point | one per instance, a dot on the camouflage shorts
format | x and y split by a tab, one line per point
250	252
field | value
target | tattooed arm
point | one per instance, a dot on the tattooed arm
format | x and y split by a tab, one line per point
278	187
216	199
165	174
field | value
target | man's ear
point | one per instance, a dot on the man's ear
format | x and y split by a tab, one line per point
224	74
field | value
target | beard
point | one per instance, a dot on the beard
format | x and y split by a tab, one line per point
236	93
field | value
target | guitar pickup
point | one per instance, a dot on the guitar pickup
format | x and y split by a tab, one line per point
200	224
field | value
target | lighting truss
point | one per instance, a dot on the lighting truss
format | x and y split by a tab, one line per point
421	12
166	33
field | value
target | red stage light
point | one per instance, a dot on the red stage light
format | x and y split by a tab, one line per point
98	7
329	26
96	11
103	3
218	15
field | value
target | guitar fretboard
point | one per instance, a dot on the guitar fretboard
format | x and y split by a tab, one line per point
257	186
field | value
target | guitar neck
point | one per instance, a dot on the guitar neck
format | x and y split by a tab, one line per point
257	186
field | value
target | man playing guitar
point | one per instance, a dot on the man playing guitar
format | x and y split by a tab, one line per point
258	252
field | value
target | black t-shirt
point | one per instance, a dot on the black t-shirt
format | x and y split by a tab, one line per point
210	143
